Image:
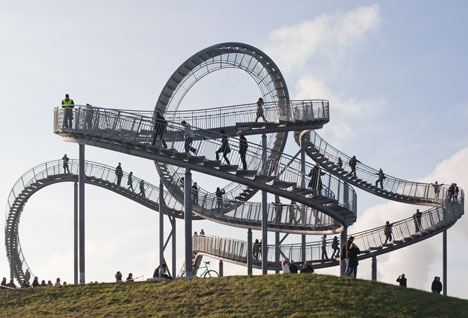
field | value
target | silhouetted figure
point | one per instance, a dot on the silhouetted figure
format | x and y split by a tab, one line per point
118	277
43	283
67	105
160	128
285	266
119	173
307	268
256	249
35	282
4	283
324	247
292	267
242	148
25	284
195	190
219	198
195	233
292	213
278	210
388	232
65	160
188	136
380	178
315	181
163	272
352	256
455	192
11	284
402	280
49	283
27	275
417	220
130	181
202	232
436	187
142	188
335	247
352	164
224	149
88	114
436	286
339	163
260	104
130	278
57	282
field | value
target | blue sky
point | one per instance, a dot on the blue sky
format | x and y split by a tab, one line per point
394	73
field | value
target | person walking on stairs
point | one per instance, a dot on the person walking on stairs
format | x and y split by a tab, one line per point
417	221
219	198
352	164
160	128
188	136
67	105
224	149
130	181
65	160
324	247
142	188
388	232
242	148
195	190
335	247
260	112
380	179
119	173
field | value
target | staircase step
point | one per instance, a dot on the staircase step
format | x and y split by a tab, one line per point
263	178
283	184
246	173
197	159
229	168
212	163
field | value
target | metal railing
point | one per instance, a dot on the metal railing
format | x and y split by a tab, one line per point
416	190
403	231
138	130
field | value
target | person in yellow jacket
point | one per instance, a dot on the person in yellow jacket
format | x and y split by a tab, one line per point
68	105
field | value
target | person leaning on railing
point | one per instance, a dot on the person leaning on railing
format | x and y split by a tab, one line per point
67	105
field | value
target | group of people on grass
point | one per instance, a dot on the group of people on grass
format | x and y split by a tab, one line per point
27	284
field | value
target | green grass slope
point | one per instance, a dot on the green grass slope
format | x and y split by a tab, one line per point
303	295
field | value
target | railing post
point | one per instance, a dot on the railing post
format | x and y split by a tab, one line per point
188	222
249	251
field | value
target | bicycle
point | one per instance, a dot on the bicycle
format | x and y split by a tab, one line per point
207	273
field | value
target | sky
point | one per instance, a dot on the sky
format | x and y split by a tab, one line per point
394	72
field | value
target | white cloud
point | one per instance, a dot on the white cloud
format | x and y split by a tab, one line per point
326	36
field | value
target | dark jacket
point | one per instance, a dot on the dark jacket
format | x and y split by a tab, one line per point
436	285
293	268
225	145
353	252
242	145
402	281
307	269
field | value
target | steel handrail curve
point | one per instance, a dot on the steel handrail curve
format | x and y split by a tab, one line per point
369	174
122	126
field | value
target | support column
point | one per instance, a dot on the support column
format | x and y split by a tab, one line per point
303	237
277	250
221	269
343	238
264	213
75	234
444	263
188	222
161	223
303	248
249	252
374	267
81	186
174	259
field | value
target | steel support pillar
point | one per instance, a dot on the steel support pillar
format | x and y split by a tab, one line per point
174	259
188	222
277	250
374	267
303	248
249	251
343	238
81	187
75	234
221	269
444	263
264	213
161	223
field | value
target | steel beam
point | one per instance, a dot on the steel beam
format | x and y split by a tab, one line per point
264	213
75	234
188	222
277	250
174	247
444	263
81	186
374	267
343	238
303	248
221	268
249	251
161	222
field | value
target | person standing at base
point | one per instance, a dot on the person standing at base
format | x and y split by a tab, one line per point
260	104
65	160
67	105
119	173
130	181
352	255
388	232
307	268
242	148
402	280
285	266
436	286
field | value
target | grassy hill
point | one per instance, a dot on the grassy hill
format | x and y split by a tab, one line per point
300	295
